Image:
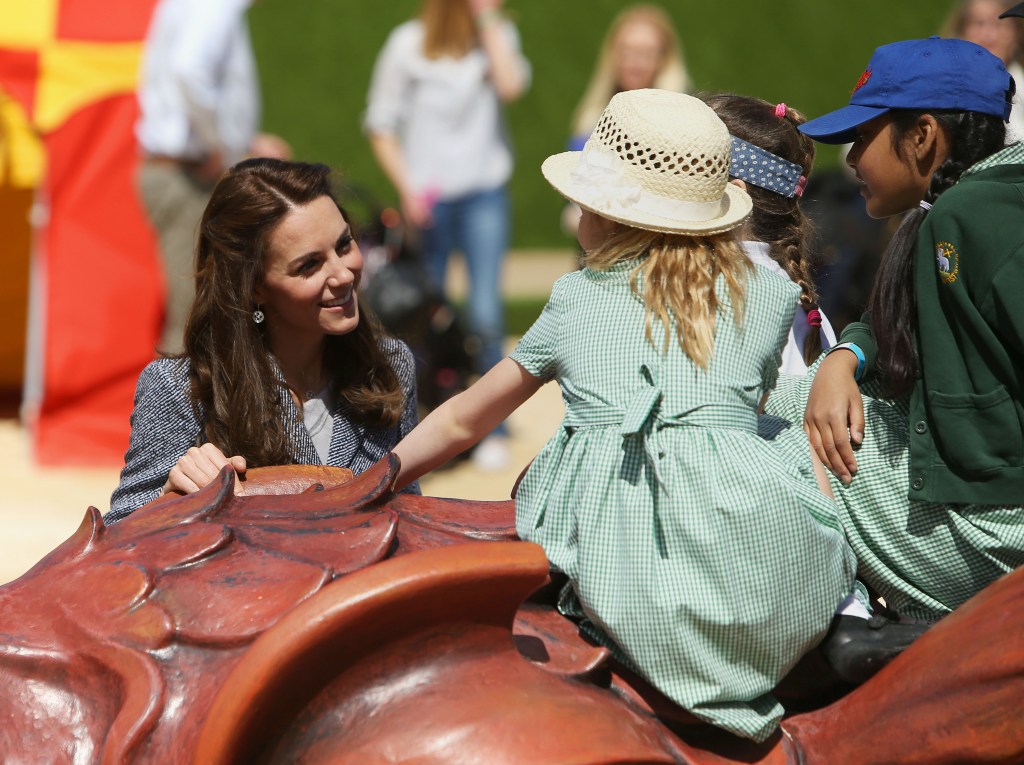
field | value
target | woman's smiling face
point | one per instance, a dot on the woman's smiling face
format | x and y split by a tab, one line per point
311	272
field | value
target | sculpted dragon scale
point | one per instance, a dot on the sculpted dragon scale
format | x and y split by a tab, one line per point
321	618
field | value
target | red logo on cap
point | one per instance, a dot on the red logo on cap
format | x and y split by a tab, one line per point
862	81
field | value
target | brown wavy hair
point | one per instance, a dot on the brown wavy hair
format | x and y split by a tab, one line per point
675	277
235	388
778	221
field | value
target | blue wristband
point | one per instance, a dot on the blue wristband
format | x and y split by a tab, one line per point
861	359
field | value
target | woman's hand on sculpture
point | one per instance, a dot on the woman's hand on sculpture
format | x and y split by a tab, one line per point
199	466
834	418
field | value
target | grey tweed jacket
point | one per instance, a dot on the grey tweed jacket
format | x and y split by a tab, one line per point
164	426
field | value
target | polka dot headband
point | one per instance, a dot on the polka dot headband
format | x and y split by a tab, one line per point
762	168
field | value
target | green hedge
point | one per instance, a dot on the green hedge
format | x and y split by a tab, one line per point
316	56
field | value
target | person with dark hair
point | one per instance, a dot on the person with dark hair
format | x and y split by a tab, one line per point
919	411
281	363
772	159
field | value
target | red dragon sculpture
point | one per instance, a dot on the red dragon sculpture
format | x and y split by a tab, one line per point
347	624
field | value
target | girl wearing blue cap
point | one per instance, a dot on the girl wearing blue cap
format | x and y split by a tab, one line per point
919	411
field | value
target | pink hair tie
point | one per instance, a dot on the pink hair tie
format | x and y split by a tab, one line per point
781	110
800	186
814	317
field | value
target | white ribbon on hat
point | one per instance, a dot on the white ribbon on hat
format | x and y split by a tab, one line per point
600	181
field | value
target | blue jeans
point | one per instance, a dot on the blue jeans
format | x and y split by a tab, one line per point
478	225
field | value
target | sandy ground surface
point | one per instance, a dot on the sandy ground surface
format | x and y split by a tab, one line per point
41	507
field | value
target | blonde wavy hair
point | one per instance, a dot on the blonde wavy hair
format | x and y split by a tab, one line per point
675	278
672	74
449	28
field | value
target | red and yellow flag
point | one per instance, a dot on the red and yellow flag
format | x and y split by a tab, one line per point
68	72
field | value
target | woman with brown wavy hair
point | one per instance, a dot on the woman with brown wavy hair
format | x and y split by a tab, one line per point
281	363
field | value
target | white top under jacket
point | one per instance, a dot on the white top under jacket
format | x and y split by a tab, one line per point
793	353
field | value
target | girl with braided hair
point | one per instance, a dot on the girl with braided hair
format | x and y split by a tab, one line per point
771	160
919	411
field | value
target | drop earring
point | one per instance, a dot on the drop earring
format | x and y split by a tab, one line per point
258	316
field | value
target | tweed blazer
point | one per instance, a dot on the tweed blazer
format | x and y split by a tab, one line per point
164	426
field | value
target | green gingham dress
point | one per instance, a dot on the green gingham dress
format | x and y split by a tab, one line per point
704	559
925	559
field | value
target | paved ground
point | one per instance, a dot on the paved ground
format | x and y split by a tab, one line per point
40	508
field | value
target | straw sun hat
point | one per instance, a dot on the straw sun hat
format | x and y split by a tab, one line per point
657	160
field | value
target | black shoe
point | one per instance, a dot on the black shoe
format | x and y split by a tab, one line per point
857	648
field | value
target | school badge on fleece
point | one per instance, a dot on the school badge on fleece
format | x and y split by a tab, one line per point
948	261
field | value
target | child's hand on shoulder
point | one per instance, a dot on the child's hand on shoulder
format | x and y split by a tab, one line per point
834	418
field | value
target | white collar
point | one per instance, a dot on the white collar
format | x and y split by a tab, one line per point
759	253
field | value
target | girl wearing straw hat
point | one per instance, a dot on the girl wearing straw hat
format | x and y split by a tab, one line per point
698	555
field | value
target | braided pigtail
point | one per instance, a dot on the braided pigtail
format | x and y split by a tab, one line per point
972	137
792	251
778	220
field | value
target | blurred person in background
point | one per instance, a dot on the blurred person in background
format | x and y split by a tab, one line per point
200	103
436	125
978	21
640	50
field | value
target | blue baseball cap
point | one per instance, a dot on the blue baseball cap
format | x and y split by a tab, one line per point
919	74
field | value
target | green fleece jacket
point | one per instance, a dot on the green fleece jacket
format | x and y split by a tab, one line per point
967	407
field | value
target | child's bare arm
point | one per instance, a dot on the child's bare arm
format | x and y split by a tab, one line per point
464	419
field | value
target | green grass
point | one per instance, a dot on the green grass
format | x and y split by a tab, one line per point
316	56
520	313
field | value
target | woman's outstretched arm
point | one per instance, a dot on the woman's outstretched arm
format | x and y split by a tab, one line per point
463	420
